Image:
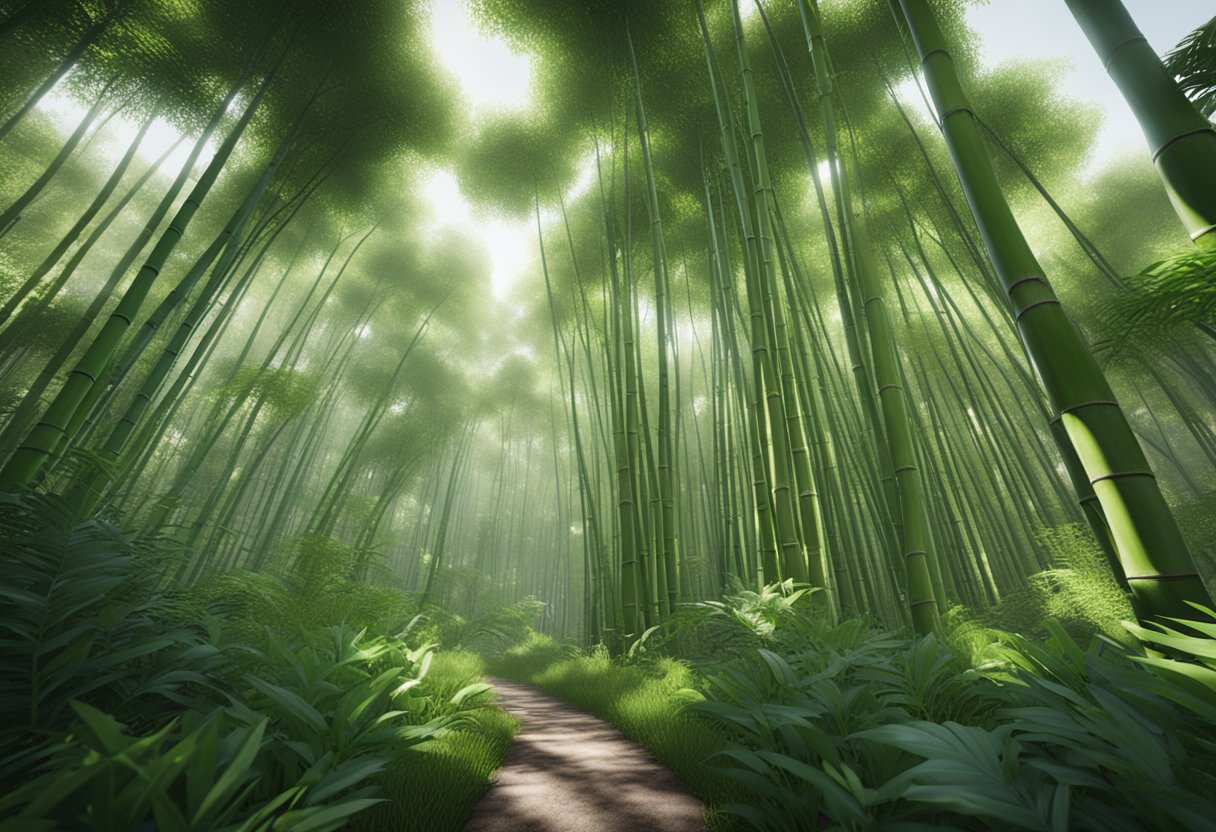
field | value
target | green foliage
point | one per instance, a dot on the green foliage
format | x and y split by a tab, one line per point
433	786
844	733
494	629
301	748
1078	591
286	392
81	618
531	656
1193	63
1175	291
845	727
706	630
100	777
1197	519
312	585
283	697
1189	665
126	705
302	742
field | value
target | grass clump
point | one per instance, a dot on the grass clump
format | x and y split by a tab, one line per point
434	786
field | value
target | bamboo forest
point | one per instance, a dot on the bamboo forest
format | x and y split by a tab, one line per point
597	415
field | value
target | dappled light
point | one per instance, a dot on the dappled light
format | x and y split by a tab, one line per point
504	415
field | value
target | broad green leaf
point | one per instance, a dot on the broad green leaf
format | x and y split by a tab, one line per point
292	704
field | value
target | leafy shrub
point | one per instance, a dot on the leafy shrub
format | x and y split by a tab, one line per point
433	786
312	586
1174	291
494	629
706	631
81	618
100	777
1078	591
128	704
303	741
862	735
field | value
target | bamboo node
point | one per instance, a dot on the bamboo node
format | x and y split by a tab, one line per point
1026	279
1093	403
1025	309
1110	56
955	111
1121	474
1175	139
925	57
1177	576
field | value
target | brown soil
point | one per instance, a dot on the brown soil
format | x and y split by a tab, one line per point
569	771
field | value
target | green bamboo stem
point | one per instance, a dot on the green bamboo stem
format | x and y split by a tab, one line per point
28	460
1151	549
1182	142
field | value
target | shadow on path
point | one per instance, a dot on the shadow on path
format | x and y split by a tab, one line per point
569	771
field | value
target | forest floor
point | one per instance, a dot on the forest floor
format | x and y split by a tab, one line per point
568	770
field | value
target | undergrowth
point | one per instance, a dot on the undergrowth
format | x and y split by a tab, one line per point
279	701
781	720
434	786
1079	592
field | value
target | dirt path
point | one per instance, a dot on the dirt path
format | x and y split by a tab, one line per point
569	771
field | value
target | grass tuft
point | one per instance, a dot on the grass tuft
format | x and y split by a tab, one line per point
434	786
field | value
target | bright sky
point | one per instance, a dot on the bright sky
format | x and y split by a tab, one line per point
490	74
120	132
493	79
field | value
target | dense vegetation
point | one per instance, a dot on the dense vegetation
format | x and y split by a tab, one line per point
847	441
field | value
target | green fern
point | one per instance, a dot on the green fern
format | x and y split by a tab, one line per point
80	618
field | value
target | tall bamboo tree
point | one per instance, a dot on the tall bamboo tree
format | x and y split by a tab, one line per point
1153	554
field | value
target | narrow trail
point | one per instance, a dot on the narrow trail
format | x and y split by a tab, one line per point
569	771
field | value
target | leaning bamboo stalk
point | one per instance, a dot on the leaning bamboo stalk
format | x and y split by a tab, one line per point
1152	551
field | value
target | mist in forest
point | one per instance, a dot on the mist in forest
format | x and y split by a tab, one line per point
819	393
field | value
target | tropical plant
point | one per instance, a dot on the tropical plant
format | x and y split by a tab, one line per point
1193	63
81	618
1043	736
